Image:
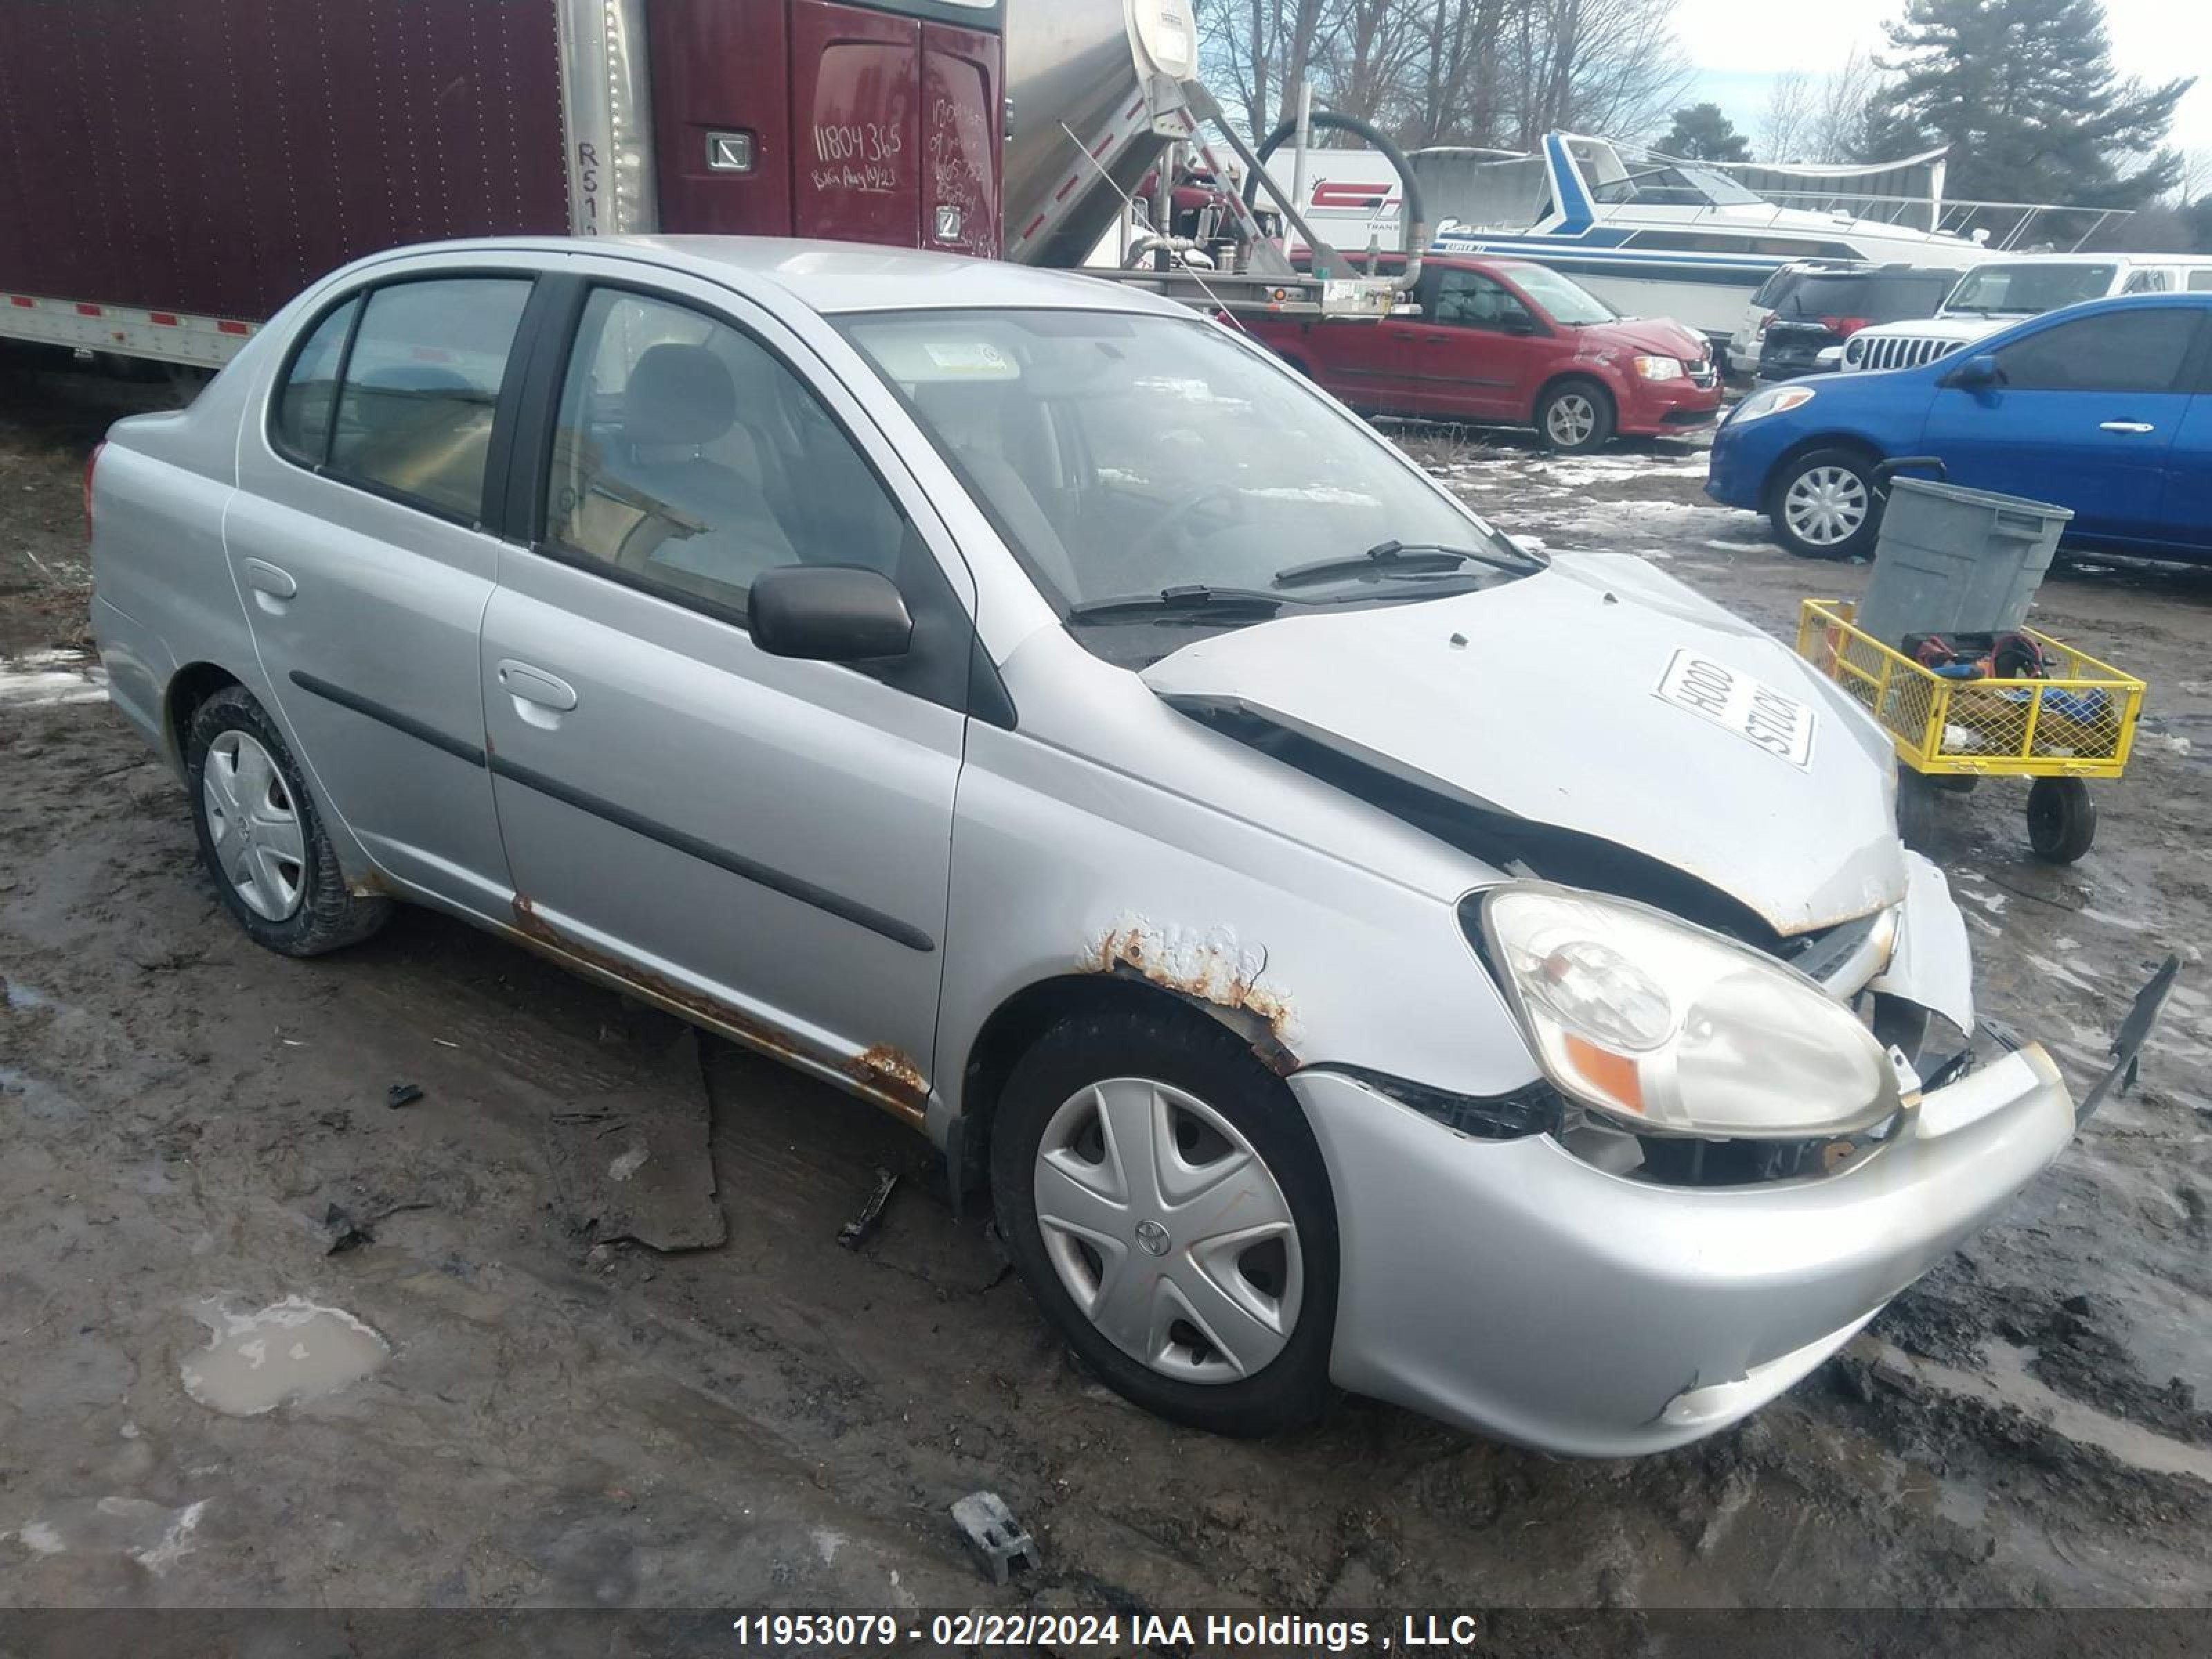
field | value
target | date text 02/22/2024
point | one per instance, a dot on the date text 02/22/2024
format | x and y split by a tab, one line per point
1208	1632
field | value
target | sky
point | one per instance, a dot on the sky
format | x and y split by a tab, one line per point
1740	46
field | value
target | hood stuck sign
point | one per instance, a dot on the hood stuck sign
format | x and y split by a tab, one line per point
1728	697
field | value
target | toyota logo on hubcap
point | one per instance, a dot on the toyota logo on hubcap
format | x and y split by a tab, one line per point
1153	1237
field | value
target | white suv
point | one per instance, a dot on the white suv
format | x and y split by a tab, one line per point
1999	293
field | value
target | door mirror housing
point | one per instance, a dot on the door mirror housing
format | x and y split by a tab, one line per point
829	613
1517	321
1977	374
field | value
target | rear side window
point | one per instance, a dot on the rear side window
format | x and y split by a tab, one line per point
414	415
2200	282
396	390
2119	351
1872	299
302	427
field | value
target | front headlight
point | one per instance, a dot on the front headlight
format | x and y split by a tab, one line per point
1672	1029
1660	368
1773	401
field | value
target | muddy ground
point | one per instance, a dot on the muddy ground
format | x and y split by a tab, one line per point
548	1419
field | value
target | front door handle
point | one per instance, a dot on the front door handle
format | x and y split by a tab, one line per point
533	688
272	587
2124	426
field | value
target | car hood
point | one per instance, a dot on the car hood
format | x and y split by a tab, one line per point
1657	337
1941	328
1600	697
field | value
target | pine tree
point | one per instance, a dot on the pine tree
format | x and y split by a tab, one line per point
2024	94
1702	133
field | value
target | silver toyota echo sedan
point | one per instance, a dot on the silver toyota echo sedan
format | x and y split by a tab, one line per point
1350	950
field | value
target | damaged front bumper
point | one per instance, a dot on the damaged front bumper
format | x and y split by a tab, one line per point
1512	1288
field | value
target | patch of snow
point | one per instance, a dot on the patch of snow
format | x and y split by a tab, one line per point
52	676
1324	495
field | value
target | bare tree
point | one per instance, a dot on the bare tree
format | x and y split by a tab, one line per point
1455	95
1485	72
1783	130
1616	70
1370	52
1265	49
1843	111
2195	182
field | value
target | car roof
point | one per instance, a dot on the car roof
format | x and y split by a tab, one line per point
833	277
2101	259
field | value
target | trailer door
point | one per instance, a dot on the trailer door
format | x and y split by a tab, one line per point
856	84
960	140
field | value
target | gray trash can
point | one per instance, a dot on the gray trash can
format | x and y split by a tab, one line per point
1951	560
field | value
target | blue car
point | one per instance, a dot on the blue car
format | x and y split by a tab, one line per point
2105	408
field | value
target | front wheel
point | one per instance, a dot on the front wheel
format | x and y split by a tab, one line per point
1162	1196
1824	505
1575	416
2062	819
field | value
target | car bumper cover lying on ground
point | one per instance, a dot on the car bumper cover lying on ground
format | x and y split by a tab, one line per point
1509	1287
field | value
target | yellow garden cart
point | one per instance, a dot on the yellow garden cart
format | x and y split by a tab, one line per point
2075	723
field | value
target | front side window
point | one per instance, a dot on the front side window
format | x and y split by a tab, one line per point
688	458
2119	351
1569	302
1468	299
1123	456
2146	281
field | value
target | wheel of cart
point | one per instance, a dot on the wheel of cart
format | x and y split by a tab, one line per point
2075	723
2062	819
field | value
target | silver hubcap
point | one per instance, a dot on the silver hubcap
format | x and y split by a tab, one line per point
259	845
1826	504
1572	419
1168	1230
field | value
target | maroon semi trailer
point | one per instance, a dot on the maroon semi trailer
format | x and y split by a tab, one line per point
169	175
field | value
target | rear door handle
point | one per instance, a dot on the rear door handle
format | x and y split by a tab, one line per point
271	587
2125	426
533	688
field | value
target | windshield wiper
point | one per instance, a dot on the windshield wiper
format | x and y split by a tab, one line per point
1190	596
1385	557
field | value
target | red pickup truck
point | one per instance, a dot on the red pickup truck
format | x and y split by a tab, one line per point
1504	341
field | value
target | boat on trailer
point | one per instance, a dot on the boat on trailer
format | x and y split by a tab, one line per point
1657	235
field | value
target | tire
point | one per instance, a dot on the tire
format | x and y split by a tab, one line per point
1575	416
261	838
1824	505
1230	1369
2062	819
1919	809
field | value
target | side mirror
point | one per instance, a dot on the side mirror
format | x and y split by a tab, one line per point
829	613
1977	374
1517	321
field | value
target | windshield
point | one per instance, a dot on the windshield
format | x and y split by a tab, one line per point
1676	185
1125	456
1567	301
2028	290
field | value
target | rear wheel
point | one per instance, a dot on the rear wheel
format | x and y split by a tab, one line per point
261	838
1162	1196
1825	507
2062	819
1575	416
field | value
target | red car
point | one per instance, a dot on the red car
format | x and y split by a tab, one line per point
1502	342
